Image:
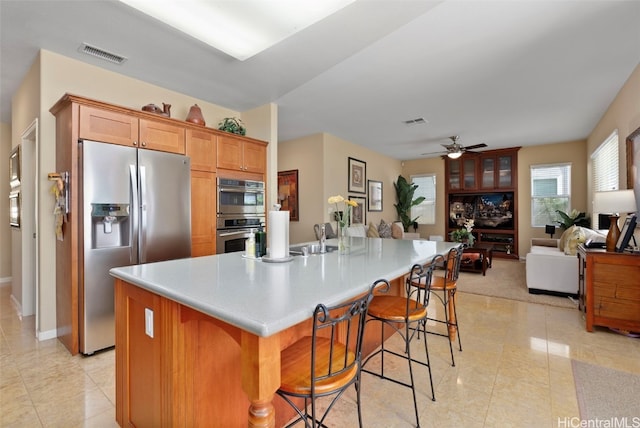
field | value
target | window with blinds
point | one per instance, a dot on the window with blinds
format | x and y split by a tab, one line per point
605	165
550	192
426	211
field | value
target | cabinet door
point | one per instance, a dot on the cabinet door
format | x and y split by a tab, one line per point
229	153
505	171
454	174
201	148
469	173
107	126
161	136
203	213
488	171
254	157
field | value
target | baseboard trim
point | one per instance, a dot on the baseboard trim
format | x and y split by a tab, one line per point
552	293
46	335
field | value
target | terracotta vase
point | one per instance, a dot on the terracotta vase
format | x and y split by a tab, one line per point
195	115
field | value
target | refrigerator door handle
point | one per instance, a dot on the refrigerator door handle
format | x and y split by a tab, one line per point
135	204
143	215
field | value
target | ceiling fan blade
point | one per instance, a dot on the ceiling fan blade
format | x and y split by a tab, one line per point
475	146
433	153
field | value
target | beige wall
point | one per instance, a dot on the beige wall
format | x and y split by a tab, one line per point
624	115
52	76
322	161
430	166
5	229
573	152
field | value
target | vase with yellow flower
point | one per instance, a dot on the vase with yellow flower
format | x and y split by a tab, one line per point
342	217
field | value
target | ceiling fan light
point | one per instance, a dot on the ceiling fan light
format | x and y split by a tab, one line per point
454	155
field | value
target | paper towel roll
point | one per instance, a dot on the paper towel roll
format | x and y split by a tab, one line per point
278	235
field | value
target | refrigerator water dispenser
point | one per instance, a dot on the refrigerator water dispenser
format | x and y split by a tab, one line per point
110	225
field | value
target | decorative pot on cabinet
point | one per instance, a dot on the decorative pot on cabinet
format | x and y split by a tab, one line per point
195	115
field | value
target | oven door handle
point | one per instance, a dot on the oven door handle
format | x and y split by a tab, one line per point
239	190
235	232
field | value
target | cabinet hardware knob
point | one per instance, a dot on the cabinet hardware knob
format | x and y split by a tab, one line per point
135	143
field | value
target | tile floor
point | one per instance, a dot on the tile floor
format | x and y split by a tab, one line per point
515	370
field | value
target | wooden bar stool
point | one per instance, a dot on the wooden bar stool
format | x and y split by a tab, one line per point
444	288
327	362
407	315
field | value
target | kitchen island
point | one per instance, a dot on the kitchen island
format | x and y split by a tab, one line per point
198	340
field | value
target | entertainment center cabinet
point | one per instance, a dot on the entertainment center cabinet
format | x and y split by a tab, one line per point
484	187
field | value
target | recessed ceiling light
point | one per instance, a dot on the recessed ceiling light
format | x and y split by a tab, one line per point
240	28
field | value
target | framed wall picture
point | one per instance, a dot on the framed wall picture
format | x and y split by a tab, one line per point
359	213
357	176
375	195
14	167
288	193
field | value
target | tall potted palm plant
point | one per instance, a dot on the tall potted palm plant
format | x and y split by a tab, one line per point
404	194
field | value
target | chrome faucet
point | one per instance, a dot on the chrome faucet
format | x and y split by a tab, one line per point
323	239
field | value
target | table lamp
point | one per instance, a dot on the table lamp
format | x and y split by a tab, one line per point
614	202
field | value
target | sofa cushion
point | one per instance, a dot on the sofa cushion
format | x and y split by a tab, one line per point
536	249
563	238
576	237
384	229
372	232
397	231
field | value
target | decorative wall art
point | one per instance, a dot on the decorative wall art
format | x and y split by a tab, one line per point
288	193
357	176
375	195
359	213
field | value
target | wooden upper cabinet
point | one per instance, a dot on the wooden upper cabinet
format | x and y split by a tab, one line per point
161	136
118	128
201	147
241	155
108	126
490	170
497	172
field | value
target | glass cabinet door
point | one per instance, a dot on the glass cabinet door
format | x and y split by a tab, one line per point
505	177
488	173
469	170
454	174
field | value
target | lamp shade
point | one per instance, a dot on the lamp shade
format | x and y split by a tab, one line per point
615	201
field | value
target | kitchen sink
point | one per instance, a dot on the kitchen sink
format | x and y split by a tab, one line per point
309	249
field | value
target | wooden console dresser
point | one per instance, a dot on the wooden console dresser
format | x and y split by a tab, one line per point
609	288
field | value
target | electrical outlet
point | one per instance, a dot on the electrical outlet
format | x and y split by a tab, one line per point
148	322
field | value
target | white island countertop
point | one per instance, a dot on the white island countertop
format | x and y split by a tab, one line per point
266	298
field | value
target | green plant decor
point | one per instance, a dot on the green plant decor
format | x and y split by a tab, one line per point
233	125
404	194
574	217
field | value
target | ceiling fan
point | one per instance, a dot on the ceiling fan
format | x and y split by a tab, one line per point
455	149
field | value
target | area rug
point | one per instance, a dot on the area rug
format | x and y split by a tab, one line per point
607	394
507	279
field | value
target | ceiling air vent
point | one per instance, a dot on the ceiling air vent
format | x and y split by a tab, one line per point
101	53
418	121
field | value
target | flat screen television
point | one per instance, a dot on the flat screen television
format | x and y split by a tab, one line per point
488	210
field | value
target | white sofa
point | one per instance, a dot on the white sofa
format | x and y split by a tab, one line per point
550	270
552	264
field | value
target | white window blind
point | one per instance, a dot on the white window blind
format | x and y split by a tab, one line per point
605	164
426	211
550	191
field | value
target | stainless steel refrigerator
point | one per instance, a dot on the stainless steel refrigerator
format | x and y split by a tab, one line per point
136	208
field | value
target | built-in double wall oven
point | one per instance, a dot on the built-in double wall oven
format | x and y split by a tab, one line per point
240	208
